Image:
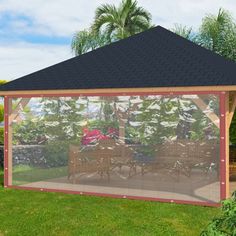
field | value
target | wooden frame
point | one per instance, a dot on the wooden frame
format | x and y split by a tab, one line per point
224	125
208	89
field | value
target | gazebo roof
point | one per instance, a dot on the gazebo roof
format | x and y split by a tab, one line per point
154	58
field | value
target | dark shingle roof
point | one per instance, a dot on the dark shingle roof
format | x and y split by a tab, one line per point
155	58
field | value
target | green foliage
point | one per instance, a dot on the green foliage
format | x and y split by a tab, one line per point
29	131
103	125
111	23
218	33
232	130
1	113
62	118
86	40
225	224
123	21
56	153
2	82
1	135
183	31
170	118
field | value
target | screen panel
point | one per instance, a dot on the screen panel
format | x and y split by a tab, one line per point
158	146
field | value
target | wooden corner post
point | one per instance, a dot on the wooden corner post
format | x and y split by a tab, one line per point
7	143
224	145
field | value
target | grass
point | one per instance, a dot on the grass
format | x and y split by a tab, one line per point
40	213
23	174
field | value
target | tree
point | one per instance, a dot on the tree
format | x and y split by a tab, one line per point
218	33
63	118
123	21
86	40
184	31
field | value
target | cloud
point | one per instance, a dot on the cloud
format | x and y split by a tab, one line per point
23	58
52	23
64	17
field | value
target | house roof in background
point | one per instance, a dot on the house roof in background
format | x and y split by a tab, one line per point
154	58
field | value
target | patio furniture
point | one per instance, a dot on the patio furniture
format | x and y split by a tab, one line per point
96	159
122	156
182	156
102	158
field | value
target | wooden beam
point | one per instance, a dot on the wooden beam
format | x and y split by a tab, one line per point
205	109
14	115
232	107
119	90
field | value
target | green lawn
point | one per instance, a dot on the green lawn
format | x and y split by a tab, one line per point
23	174
40	213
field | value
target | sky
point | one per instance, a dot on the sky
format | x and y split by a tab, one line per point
35	34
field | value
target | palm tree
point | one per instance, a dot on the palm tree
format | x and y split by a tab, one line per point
86	40
123	21
218	33
183	31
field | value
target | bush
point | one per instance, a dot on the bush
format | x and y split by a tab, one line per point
29	132
1	113
225	224
56	153
2	81
1	136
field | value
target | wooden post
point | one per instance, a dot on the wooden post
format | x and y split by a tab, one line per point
9	148
226	135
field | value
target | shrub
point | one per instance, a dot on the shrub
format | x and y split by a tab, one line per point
2	81
56	153
1	135
1	113
225	224
29	132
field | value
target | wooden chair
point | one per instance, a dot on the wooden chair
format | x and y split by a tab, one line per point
95	160
101	159
182	156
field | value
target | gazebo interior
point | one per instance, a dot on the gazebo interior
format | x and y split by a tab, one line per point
164	146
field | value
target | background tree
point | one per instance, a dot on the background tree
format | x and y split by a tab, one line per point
218	33
111	23
123	21
184	31
86	40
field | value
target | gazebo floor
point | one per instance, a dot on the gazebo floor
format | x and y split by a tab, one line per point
195	188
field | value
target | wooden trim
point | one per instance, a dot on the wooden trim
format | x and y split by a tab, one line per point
208	89
203	106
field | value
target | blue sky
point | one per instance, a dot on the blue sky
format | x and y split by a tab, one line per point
37	33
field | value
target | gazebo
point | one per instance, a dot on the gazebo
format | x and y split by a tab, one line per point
147	117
